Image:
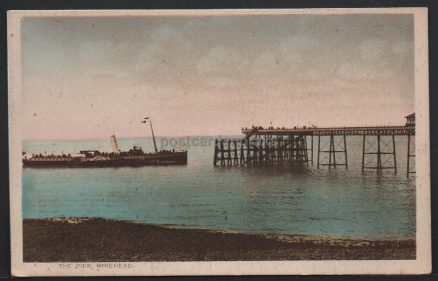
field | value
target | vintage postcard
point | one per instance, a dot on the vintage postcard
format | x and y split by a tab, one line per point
212	142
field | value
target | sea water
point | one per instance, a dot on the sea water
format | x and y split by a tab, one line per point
291	200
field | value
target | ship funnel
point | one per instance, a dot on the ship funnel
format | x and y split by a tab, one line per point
114	145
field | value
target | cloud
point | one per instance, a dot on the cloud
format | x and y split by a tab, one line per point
102	58
148	57
210	22
94	51
221	61
220	83
264	63
298	43
285	56
163	54
165	34
364	71
312	75
293	49
402	47
371	49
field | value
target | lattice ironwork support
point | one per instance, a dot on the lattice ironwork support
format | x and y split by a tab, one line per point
379	152
395	155
345	151
363	152
311	146
333	149
319	151
235	158
216	151
229	152
222	153
409	156
242	152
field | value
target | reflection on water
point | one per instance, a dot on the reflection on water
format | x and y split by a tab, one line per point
274	199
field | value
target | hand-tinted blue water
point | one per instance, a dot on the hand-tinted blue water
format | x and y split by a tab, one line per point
281	200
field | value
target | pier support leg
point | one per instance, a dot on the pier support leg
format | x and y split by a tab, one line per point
395	156
383	150
331	152
345	151
254	151
222	153
306	156
311	147
242	154
248	150
260	151
409	156
280	151
379	156
363	152
335	146
229	153
215	152
292	149
236	156
319	151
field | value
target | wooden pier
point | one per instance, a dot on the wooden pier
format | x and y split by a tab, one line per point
280	146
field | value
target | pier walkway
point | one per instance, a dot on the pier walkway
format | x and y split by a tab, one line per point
336	131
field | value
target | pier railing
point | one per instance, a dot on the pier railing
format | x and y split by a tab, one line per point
327	131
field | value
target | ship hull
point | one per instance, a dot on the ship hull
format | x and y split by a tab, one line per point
176	158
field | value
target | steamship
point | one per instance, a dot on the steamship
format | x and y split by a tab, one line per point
134	157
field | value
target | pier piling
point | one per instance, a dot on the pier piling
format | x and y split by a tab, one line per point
332	150
379	148
409	156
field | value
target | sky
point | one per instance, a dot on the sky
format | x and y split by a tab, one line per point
91	77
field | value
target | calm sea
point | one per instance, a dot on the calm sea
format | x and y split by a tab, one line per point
279	200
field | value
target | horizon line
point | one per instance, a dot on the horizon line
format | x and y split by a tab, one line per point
133	137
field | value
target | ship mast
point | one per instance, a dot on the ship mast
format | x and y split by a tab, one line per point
152	130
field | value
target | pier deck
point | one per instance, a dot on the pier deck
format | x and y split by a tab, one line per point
337	131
